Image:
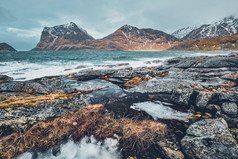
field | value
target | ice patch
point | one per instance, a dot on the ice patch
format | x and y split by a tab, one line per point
87	148
158	111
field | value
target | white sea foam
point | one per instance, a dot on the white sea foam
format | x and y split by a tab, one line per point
87	148
159	111
29	70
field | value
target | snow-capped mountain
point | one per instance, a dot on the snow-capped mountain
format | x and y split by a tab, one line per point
54	37
71	37
184	31
224	27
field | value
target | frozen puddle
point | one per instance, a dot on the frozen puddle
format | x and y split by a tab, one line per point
158	111
87	148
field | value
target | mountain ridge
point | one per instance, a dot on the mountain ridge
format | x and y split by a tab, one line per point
126	38
225	27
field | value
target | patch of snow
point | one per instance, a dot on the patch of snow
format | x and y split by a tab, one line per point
158	111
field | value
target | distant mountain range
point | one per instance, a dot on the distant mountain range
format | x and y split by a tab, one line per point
221	35
225	27
128	38
6	47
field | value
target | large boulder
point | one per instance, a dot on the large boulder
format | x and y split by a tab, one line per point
209	138
216	62
181	94
229	108
4	78
202	99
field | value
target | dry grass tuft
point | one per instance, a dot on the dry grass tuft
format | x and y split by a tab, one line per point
90	120
32	101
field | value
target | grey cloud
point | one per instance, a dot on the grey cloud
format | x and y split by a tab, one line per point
105	16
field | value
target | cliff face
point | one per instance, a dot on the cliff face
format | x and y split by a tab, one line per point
62	36
211	44
6	47
128	38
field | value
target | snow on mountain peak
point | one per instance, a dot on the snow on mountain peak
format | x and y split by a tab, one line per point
226	26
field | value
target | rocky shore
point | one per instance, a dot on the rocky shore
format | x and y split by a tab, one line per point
43	113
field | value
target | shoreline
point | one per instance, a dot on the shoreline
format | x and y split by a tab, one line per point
205	86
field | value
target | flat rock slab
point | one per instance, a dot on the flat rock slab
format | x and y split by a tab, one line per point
156	85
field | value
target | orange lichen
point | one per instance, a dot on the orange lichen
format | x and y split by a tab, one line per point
133	81
105	77
162	75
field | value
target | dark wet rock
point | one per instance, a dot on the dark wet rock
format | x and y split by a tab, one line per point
156	85
80	67
209	138
231	76
233	54
217	62
92	74
213	71
15	86
185	75
153	62
123	64
36	87
190	61
4	78
105	66
213	108
229	108
139	72
60	85
181	94
103	91
228	97
202	99
173	61
11	86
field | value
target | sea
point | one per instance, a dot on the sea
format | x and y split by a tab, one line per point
27	65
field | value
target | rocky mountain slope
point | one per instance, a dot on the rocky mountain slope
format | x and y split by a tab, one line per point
6	47
58	37
211	44
128	38
224	27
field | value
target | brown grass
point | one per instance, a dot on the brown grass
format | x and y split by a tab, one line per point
88	120
32	101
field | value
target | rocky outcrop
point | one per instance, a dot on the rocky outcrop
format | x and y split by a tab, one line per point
4	78
209	138
128	38
194	88
6	47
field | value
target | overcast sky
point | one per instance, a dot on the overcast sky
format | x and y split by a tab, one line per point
21	21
